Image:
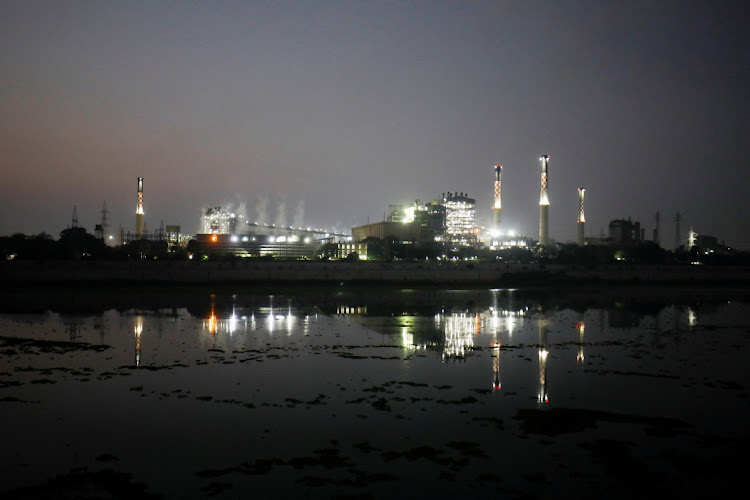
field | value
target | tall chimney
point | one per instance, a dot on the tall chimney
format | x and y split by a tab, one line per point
139	223
581	217
544	205
497	207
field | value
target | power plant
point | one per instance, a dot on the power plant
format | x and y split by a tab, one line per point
581	217
544	205
497	207
444	226
139	222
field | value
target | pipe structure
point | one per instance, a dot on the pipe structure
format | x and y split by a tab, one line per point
581	217
139	222
544	205
497	207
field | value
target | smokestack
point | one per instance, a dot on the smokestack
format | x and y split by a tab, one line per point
139	222
498	206
581	217
544	205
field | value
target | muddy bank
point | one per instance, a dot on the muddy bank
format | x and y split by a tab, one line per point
301	272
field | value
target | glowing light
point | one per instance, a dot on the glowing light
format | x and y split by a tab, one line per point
214	238
409	214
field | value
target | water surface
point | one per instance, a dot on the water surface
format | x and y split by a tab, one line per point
381	392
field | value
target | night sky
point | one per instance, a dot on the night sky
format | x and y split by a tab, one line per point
324	113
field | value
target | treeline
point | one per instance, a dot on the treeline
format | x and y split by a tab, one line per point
571	254
78	244
646	253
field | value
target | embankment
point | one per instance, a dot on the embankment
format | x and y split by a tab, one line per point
21	273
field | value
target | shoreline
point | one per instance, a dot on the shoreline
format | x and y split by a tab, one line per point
166	273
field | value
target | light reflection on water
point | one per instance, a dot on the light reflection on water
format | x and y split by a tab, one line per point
456	334
459	359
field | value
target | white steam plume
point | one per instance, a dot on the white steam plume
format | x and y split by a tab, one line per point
281	212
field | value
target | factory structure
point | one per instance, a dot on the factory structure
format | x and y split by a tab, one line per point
448	222
228	233
170	235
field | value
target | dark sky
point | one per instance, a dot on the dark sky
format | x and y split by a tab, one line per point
325	112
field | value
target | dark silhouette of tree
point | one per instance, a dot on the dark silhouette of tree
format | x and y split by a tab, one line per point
76	243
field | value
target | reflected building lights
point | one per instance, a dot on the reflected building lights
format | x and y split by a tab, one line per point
289	321
138	330
407	339
344	310
510	322
494	321
581	326
232	323
495	365
543	397
692	317
459	331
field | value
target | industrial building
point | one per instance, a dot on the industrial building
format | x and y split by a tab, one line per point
460	219
430	215
405	232
415	223
625	232
358	248
226	232
215	220
282	247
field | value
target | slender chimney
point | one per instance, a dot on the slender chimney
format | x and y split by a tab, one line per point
544	205
581	217
497	207
139	222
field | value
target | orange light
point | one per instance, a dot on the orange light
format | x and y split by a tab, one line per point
214	238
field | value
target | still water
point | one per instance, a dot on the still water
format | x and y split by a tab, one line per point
384	392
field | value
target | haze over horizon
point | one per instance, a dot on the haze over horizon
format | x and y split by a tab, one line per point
328	112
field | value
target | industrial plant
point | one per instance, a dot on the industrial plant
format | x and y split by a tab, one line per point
445	227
